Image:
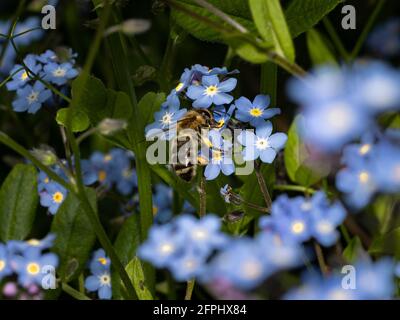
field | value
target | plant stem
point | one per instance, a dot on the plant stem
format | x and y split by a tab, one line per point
335	38
74	293
268	81
202	196
287	187
321	259
367	29
189	289
356	230
263	186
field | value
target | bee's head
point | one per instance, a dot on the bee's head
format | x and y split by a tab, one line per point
208	117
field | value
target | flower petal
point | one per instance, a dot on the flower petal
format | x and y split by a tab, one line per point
227	85
278	140
268	155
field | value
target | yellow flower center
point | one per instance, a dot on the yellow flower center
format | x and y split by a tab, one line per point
46	180
33	242
155	210
24	76
102	175
107	158
102	260
200	234
211	90
33	268
179	87
364	177
298	227
364	149
190	264
217	155
220	123
256	112
166	248
58	197
2	265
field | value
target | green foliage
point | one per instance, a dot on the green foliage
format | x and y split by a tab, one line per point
125	245
320	53
387	244
301	15
80	120
353	250
75	236
136	274
296	156
269	18
18	203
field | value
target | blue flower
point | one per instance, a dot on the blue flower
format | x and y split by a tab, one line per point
53	197
357	182
203	236
188	266
7	63
30	98
377	86
373	281
99	261
5	266
225	193
162	245
100	281
221	116
325	219
164	126
256	111
211	91
385	165
47	57
242	263
21	78
127	181
30	264
220	156
385	38
43	181
290	219
59	74
261	145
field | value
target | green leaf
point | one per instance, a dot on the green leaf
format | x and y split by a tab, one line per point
301	15
18	203
136	274
269	18
80	121
125	245
251	192
296	158
247	51
75	236
320	54
97	101
388	244
353	250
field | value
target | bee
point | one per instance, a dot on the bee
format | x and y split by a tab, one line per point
187	140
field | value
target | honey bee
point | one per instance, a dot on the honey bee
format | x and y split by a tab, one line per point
187	140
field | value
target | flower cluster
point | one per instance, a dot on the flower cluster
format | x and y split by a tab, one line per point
183	245
299	219
22	38
108	170
100	279
340	104
372	281
203	88
371	166
29	80
27	260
